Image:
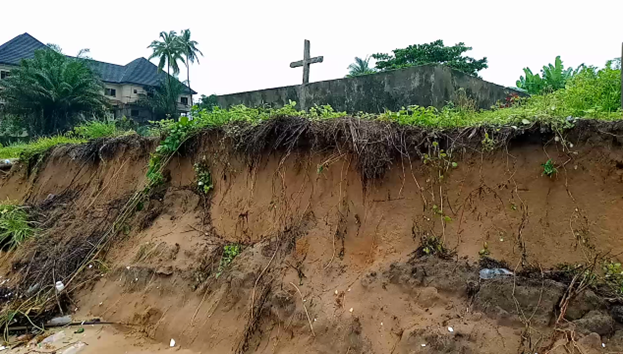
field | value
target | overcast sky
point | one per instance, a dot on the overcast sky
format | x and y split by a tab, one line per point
248	44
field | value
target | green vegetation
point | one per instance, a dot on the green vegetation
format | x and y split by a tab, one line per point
484	251
80	134
554	78
613	274
229	253
204	179
169	52
163	99
432	245
15	227
549	169
431	53
590	94
104	128
207	102
360	67
25	151
51	92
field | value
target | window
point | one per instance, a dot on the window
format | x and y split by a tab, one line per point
184	100
134	112
110	92
4	74
135	91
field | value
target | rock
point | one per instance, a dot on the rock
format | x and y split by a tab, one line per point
617	313
595	321
592	340
496	297
583	304
428	297
165	271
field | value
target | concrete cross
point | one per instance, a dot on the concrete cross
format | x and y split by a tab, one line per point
306	62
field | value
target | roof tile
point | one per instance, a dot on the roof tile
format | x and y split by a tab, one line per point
139	71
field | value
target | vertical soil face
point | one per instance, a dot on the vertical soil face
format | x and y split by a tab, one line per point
329	261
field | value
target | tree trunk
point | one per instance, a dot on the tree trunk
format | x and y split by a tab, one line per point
169	74
188	80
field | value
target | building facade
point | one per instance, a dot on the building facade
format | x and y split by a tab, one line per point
123	84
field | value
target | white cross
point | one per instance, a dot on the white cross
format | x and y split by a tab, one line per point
306	62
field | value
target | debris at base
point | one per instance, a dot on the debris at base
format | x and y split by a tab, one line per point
487	273
59	286
59	321
54	338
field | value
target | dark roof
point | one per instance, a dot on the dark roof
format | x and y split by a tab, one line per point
139	71
18	48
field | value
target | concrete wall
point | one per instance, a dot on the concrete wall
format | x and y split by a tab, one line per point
428	85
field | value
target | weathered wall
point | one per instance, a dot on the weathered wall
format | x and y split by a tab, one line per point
428	85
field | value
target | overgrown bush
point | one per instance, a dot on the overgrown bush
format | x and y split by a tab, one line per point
554	77
594	90
106	128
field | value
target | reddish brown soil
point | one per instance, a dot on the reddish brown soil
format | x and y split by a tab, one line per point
319	243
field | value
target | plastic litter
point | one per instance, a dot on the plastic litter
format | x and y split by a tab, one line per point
59	321
487	273
59	286
54	338
75	348
450	329
172	343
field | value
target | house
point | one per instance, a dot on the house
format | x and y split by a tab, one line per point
122	83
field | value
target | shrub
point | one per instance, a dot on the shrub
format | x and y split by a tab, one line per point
554	78
593	90
104	128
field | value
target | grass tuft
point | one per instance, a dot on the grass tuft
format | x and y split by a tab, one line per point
15	226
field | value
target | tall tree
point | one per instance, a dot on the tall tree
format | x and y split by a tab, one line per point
169	52
431	53
360	67
191	52
52	92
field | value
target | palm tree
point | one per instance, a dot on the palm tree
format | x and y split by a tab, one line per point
189	49
167	51
51	92
360	67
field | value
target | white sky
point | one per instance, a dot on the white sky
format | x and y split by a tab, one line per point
248	44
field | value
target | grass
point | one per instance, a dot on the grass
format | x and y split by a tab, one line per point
15	226
25	151
102	129
80	134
